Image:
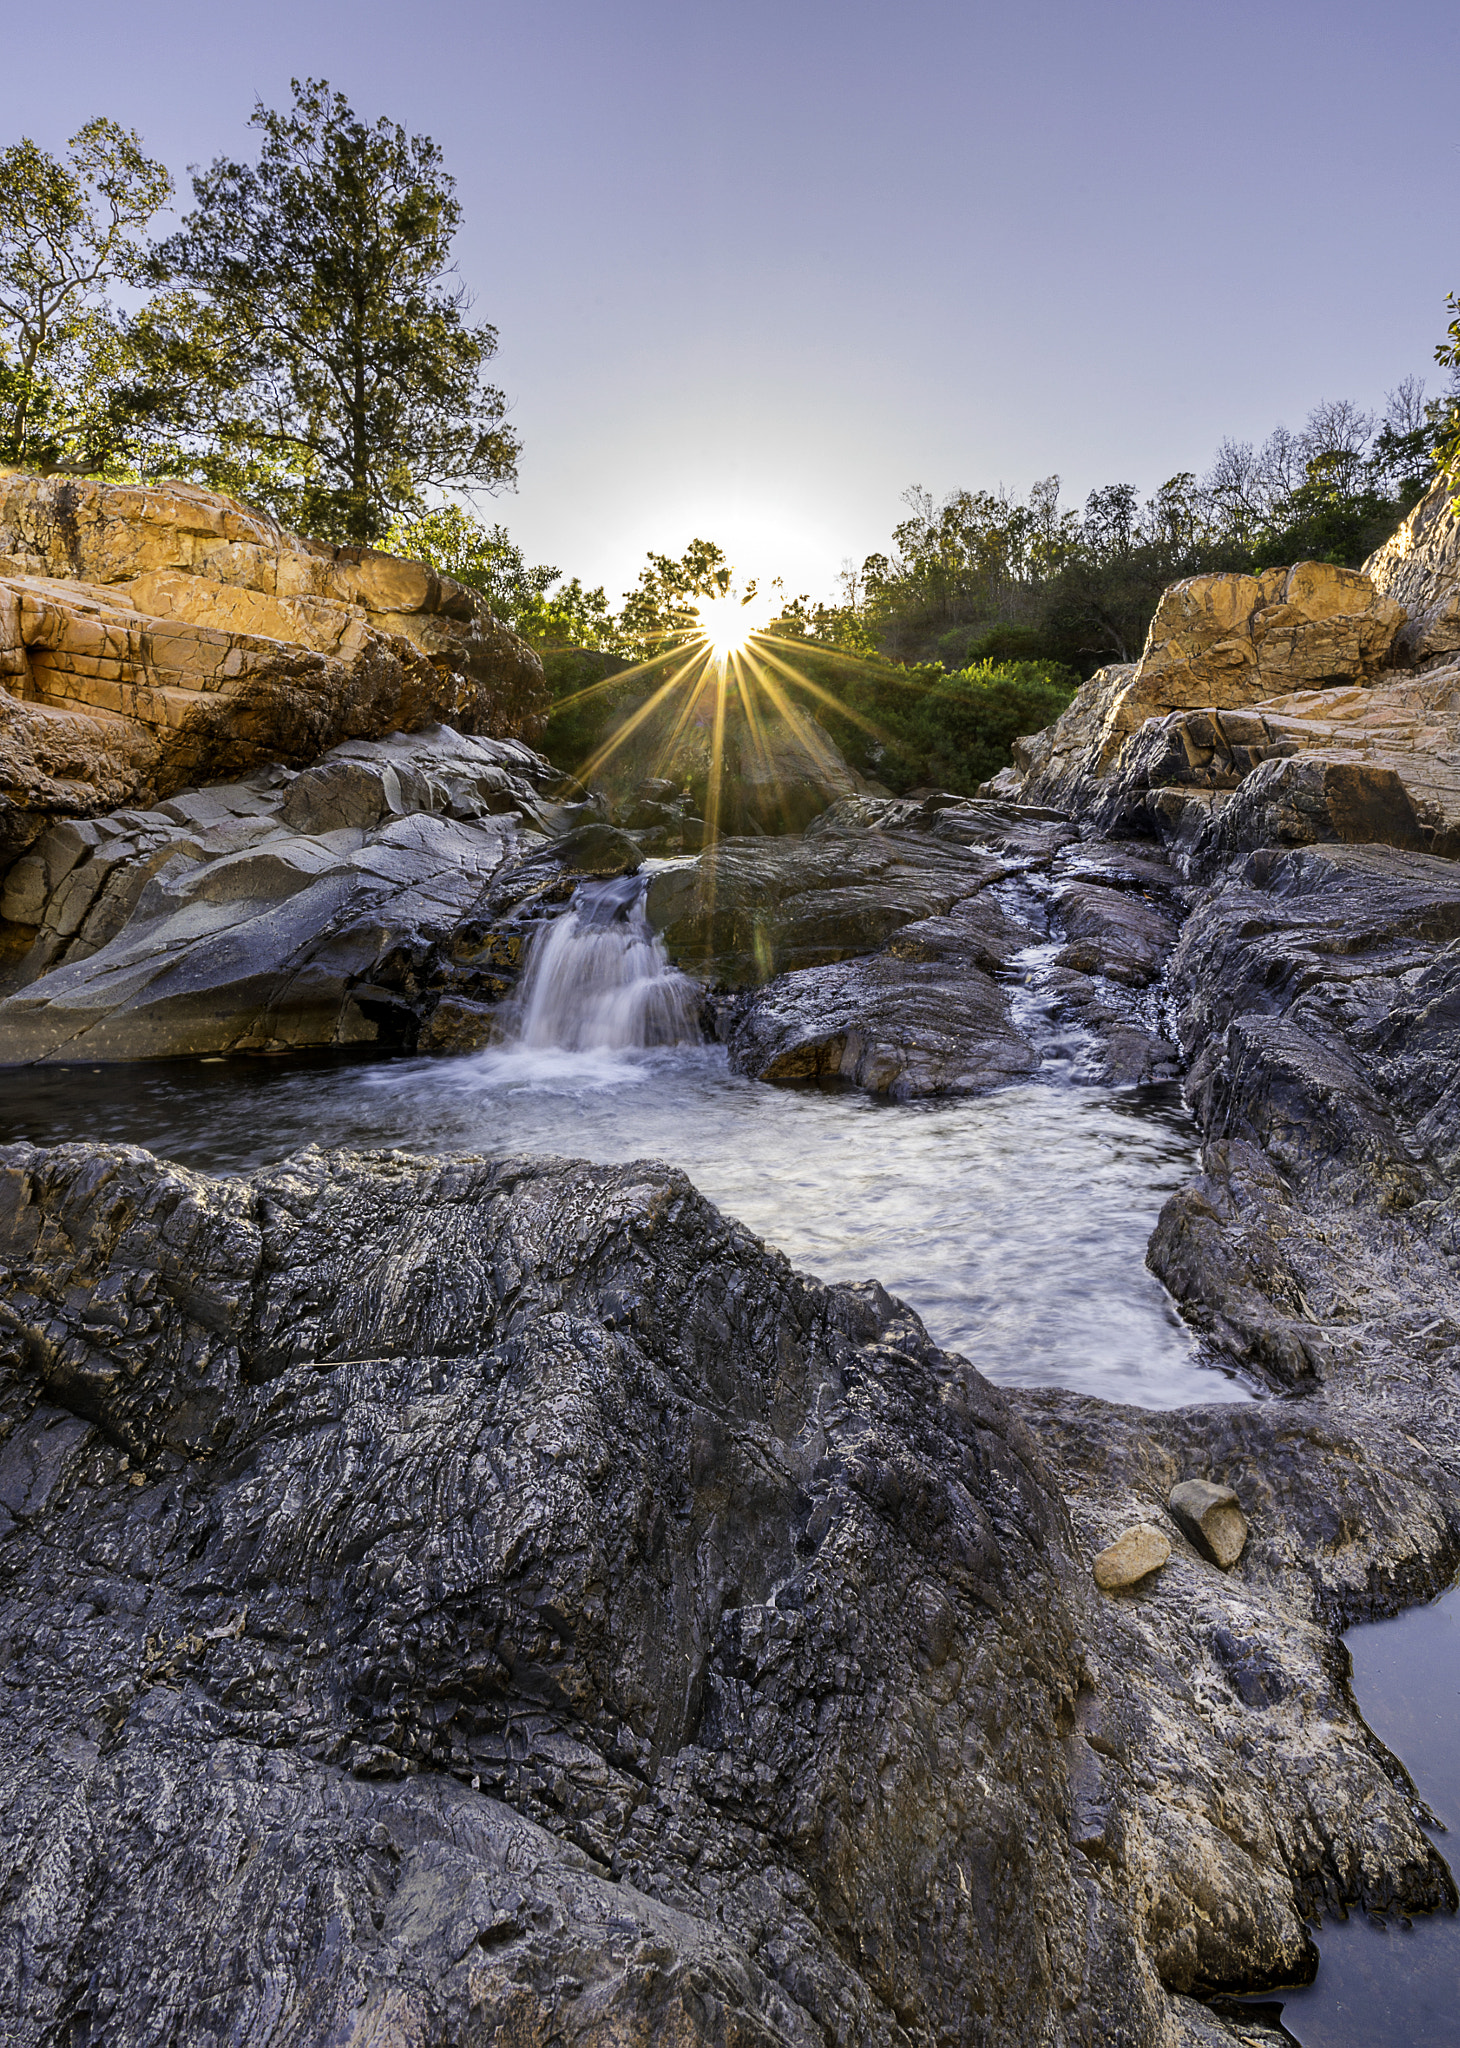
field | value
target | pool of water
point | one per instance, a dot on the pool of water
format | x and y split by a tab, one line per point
1014	1223
1392	1986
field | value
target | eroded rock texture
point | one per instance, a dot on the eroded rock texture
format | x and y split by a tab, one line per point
1419	568
325	907
337	1494
155	638
501	1600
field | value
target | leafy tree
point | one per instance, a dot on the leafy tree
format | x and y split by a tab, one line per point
487	559
1447	355
316	350
661	604
69	230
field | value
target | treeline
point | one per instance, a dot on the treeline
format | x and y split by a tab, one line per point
301	341
988	575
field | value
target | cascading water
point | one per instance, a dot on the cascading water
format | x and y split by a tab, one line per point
598	979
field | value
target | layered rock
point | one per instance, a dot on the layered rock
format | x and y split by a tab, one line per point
883	950
155	638
324	907
1419	568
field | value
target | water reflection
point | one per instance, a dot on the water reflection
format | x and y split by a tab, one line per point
1381	1985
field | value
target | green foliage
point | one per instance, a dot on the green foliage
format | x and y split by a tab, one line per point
986	575
315	351
941	728
585	701
487	559
68	230
661	604
1447	427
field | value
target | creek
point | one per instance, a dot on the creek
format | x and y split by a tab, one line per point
1015	1223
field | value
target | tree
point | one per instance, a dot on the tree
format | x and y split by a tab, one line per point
316	344
69	230
488	560
1447	424
661	604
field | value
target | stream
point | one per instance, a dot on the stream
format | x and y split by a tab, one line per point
1015	1223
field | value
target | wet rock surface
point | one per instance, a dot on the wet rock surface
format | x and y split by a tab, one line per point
497	1594
330	907
501	1600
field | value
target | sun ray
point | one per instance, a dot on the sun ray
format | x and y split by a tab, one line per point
691	705
611	746
613	682
842	710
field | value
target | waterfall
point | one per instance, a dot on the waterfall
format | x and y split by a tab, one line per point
598	979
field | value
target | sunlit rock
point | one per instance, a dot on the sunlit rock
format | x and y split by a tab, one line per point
1419	567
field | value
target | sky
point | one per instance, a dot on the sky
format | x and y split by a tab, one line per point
756	269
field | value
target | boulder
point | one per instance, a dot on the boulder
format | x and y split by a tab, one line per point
893	1026
1184	715
155	638
1213	1519
1133	1556
334	906
1419	568
749	909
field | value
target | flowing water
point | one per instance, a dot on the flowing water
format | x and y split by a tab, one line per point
1014	1223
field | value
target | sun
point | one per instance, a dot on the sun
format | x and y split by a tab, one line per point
728	622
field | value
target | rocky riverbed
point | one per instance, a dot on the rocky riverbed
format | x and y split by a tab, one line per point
499	1598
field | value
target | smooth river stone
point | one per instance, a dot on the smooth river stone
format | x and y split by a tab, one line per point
1211	1517
1132	1556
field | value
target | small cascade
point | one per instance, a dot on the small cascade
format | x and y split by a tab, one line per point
598	979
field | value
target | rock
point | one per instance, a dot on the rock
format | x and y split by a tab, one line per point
597	850
332	907
1133	1556
459	1025
465	1587
1222	640
153	638
889	1025
1238	671
1113	933
465	1651
750	909
1419	568
1212	1517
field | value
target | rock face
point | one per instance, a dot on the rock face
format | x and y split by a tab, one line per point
1258	749
502	1598
333	906
155	638
1419	568
881	948
1216	644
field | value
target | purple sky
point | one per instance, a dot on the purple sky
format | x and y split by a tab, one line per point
758	268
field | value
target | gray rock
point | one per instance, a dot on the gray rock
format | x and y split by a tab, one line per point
1213	1519
892	1026
291	911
